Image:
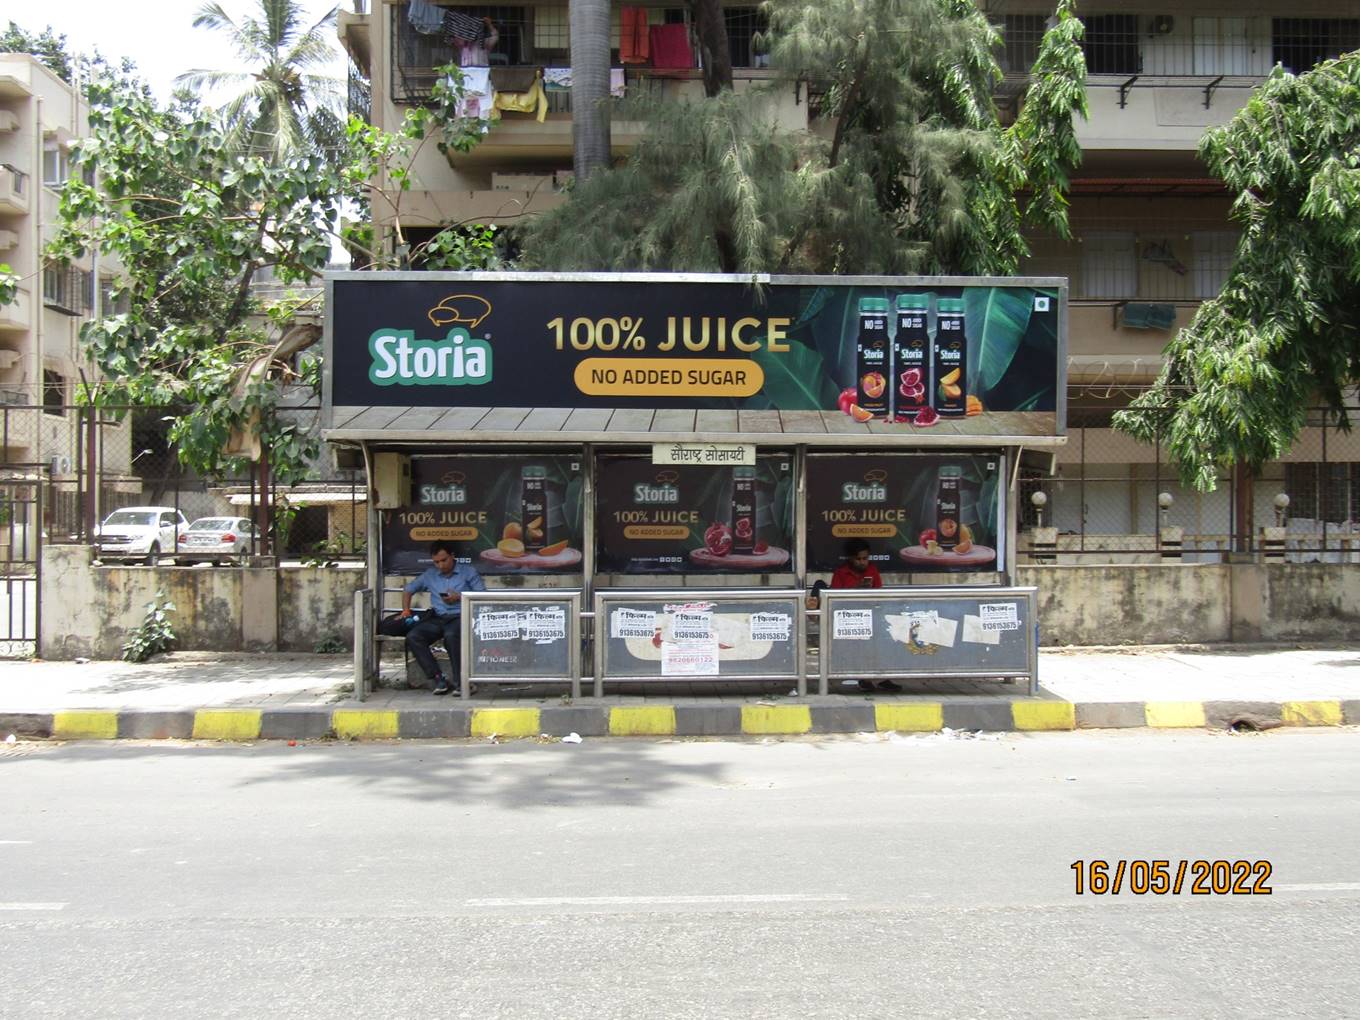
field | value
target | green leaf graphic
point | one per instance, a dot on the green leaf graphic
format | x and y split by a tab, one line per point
998	317
794	380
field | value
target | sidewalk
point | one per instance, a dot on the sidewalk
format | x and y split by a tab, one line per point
246	697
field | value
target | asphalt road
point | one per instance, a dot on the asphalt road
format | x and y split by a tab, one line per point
811	878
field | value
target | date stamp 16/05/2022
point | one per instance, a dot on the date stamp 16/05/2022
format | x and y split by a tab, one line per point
1155	877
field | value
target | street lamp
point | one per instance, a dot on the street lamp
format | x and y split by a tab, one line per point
1281	508
1164	501
1038	500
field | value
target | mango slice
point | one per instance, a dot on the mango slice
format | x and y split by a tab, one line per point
951	378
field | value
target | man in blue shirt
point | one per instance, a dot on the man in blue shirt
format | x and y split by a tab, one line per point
445	581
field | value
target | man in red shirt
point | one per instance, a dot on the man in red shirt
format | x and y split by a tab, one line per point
858	572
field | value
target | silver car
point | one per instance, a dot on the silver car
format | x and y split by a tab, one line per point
217	540
140	534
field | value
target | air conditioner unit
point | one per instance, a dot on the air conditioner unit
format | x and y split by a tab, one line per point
1162	24
8	239
9	120
61	465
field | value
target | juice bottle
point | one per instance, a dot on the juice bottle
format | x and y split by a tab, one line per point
743	510
951	360
911	354
872	357
533	507
947	506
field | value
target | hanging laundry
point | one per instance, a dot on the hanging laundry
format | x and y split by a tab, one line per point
479	98
670	46
634	37
462	28
531	100
616	82
556	78
425	17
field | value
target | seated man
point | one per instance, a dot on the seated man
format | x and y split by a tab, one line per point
445	581
858	572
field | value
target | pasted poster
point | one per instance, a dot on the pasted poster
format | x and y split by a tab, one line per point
504	515
918	513
979	358
667	519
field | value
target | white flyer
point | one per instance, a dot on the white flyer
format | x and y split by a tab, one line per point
692	625
939	631
503	626
689	658
852	624
544	625
999	615
632	623
974	632
771	626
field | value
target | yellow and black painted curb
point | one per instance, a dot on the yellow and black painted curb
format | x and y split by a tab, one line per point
756	718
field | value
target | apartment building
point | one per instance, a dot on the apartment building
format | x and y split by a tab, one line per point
1153	237
40	361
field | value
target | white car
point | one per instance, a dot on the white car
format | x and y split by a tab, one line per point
218	540
140	534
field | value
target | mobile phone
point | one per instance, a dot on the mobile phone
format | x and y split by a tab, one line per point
447	596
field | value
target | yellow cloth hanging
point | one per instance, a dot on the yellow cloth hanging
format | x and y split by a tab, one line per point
535	100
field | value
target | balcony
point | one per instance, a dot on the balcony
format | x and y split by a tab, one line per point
17	314
15	186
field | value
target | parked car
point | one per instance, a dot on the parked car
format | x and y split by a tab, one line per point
217	540
140	534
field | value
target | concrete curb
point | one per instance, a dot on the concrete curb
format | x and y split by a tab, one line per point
449	722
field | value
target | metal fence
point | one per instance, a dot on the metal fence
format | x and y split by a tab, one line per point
1113	499
91	463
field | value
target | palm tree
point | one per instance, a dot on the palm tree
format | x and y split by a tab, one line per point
590	128
282	107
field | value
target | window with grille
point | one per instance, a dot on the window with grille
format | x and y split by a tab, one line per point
54	392
1111	44
67	289
1299	43
1109	265
1323	492
1021	35
1213	255
109	304
742	25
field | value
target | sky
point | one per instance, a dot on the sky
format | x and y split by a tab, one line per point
157	34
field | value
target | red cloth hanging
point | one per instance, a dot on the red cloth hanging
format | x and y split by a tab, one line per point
633	36
670	46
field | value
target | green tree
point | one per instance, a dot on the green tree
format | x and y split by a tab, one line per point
1284	332
281	106
48	47
914	172
193	223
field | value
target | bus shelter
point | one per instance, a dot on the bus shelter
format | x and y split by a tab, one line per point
651	471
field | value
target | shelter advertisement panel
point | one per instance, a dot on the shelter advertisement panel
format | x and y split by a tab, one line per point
971	358
919	514
505	515
672	519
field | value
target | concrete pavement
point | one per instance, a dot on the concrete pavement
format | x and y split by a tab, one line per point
248	697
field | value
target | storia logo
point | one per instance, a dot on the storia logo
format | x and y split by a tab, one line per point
663	491
872	490
451	490
399	359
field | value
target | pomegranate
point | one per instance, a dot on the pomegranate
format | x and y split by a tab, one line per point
718	539
925	416
743	529
928	535
760	548
847	399
911	378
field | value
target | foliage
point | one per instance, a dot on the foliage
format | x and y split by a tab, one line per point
331	644
193	224
913	173
49	48
1285	330
9	284
281	107
155	634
